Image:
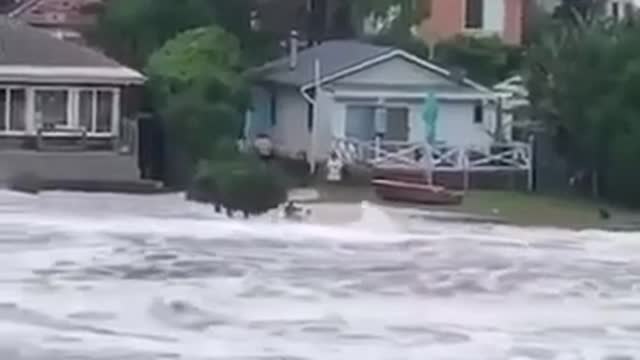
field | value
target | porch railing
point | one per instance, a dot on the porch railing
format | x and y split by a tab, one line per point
441	157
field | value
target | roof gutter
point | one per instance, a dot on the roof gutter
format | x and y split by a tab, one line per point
316	83
311	154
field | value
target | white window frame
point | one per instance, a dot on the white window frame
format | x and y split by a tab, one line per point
7	111
73	108
115	109
70	117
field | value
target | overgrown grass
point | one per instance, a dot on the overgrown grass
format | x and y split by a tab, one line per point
545	210
519	208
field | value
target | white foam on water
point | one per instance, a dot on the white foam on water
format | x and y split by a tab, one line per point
375	219
121	276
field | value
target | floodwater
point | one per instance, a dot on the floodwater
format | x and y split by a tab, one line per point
132	277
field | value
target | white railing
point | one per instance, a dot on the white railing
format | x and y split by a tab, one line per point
510	156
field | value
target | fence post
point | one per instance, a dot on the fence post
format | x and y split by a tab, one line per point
465	169
530	163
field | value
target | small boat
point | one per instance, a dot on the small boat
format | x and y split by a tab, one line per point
393	190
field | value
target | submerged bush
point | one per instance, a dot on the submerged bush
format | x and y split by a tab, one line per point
240	183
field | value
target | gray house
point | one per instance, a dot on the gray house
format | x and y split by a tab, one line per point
61	109
351	90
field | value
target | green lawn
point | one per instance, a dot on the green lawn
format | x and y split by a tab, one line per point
513	207
535	209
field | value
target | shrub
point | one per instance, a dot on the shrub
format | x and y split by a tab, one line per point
240	183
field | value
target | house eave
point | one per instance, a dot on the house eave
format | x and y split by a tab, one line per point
390	55
70	75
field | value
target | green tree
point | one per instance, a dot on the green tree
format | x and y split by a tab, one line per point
486	60
131	30
582	77
197	86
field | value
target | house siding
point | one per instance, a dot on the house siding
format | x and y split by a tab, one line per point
400	83
399	72
513	21
290	133
501	18
447	19
395	83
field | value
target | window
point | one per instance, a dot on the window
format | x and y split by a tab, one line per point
95	110
104	113
397	124
615	10
272	109
85	110
478	114
310	117
51	108
3	110
360	122
17	109
12	110
473	14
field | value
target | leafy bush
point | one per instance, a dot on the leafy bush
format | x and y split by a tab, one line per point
239	183
198	124
486	60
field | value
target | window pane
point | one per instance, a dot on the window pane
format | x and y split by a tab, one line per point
51	107
478	114
360	122
473	14
397	124
85	110
17	108
105	111
3	105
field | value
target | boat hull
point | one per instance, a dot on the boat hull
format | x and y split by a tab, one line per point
416	193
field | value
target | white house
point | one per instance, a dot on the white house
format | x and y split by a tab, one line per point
349	89
61	113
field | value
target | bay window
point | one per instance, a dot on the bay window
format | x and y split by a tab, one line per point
26	109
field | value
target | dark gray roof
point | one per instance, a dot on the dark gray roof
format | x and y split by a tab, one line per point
21	44
334	55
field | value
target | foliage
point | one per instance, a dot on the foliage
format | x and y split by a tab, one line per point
582	77
239	183
198	124
574	10
409	13
486	60
197	87
204	59
131	30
